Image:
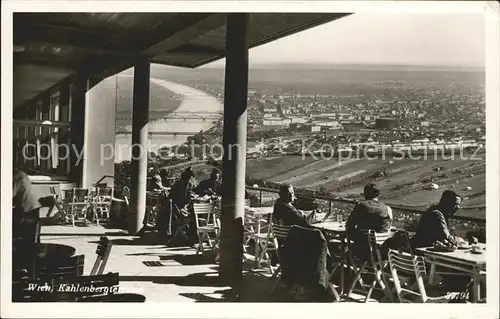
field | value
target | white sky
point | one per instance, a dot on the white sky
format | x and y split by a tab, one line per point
383	38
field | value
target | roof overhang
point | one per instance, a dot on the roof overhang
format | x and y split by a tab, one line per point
50	48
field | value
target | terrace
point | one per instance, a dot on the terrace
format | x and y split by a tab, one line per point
63	61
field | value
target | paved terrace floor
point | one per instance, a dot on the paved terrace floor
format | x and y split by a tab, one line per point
164	274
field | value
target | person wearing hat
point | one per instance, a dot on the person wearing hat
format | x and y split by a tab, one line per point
211	186
368	214
432	227
433	224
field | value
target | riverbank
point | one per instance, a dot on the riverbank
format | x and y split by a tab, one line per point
193	100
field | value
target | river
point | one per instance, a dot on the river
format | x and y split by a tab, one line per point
193	100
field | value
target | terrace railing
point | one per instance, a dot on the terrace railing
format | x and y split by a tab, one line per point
42	146
340	208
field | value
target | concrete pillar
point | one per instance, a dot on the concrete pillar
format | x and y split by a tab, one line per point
99	164
139	159
234	144
77	133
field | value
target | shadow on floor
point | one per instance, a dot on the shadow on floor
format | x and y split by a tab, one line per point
191	260
75	234
204	279
256	288
133	241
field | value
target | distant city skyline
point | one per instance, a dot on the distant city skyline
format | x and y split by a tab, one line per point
382	38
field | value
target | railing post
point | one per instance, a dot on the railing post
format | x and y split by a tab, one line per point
260	199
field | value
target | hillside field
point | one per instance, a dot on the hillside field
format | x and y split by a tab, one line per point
402	182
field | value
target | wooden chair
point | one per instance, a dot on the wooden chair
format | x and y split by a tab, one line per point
103	250
153	206
61	215
217	209
77	203
101	204
373	266
414	266
206	225
181	223
340	257
270	243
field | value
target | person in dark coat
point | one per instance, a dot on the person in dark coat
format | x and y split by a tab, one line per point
210	186
368	214
183	190
284	212
181	196
433	224
306	261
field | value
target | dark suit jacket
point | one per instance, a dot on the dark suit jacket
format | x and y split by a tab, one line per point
368	214
181	193
286	214
206	185
432	226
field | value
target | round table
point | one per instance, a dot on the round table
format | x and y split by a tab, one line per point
51	251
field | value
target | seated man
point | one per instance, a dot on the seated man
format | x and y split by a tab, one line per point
156	186
284	212
211	186
181	195
156	183
183	190
433	224
368	214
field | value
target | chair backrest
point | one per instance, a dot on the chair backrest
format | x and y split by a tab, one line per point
105	192
408	264
52	190
80	195
104	196
218	207
103	251
206	212
374	241
93	193
67	195
280	231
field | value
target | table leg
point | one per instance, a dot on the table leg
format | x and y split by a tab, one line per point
476	287
257	252
432	274
342	278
